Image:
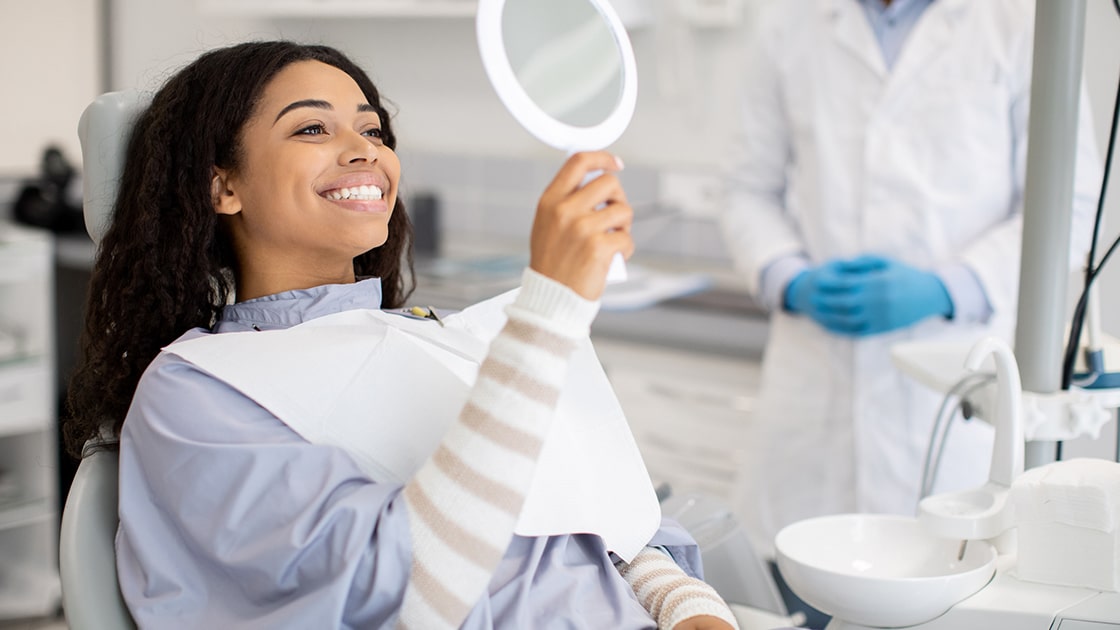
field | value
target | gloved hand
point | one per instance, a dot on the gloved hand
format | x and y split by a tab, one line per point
881	294
819	293
867	295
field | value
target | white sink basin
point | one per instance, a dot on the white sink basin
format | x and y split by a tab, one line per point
879	570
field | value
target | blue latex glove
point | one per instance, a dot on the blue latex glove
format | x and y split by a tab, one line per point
880	294
816	291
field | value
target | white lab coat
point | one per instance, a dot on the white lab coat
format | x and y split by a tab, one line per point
925	163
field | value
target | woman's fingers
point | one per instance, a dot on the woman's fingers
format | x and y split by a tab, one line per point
614	217
580	226
571	175
576	250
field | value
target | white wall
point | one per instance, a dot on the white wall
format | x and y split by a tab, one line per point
1102	72
49	71
431	69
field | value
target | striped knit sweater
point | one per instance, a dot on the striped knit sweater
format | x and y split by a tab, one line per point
464	501
668	594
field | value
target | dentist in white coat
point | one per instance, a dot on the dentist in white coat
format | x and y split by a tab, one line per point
876	197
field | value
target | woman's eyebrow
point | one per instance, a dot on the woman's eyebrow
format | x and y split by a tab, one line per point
319	104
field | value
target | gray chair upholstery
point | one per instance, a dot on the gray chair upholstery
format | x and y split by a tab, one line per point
91	597
104	129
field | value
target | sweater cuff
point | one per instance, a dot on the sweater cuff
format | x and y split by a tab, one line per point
553	306
668	593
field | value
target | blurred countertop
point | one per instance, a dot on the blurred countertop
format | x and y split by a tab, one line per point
712	312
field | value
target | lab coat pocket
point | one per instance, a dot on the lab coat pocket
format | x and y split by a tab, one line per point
968	128
964	156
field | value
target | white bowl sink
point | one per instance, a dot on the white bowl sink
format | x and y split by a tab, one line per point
879	570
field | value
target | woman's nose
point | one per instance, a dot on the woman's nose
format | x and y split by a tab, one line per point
358	148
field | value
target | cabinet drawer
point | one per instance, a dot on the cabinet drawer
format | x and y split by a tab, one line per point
22	262
29	584
28	482
688	412
25	397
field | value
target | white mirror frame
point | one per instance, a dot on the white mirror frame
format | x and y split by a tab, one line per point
488	24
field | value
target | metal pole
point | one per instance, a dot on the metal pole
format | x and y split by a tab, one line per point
1059	27
105	54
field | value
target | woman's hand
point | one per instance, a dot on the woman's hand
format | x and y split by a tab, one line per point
703	622
572	241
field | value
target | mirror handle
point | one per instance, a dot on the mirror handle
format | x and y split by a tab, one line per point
617	272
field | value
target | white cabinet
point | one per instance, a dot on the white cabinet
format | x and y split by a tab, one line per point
688	412
339	8
29	584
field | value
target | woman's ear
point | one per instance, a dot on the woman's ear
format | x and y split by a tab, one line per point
224	199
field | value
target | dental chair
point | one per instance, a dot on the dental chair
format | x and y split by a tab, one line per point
90	591
91	597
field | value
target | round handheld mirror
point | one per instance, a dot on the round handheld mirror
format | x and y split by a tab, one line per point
564	69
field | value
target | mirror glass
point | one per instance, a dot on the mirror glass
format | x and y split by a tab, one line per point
563	68
565	57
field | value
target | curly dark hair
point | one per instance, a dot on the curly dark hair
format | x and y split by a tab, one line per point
164	266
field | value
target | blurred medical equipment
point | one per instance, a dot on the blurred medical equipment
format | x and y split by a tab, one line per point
943	423
1035	549
46	201
1026	550
1057	65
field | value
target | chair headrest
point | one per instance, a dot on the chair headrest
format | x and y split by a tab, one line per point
103	130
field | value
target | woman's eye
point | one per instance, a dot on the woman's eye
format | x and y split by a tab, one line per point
374	132
312	130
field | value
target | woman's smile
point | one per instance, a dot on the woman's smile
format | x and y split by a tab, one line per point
359	192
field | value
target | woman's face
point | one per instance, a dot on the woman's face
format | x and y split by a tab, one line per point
316	185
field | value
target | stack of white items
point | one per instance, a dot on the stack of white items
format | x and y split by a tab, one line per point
1068	514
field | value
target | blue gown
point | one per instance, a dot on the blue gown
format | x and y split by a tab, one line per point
230	520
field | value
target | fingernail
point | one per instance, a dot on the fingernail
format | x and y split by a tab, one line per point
618	162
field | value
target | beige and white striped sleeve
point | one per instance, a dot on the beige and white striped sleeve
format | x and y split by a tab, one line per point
465	500
668	593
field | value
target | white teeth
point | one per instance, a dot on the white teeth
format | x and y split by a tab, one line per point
358	193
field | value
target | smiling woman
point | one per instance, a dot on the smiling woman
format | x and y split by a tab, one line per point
259	190
167	261
317	185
